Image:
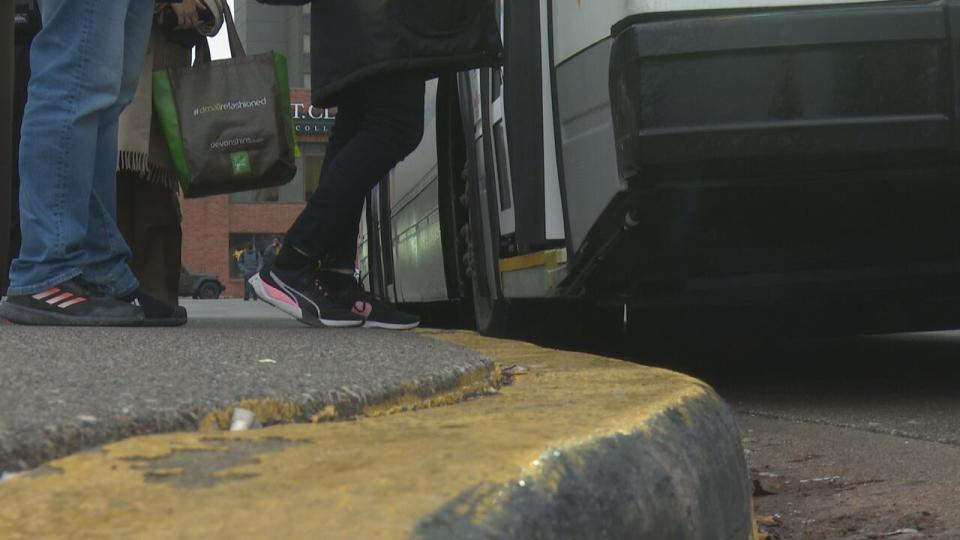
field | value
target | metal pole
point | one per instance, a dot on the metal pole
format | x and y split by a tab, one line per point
7	14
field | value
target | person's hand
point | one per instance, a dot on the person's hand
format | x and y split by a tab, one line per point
188	17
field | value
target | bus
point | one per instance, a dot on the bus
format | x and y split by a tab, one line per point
684	154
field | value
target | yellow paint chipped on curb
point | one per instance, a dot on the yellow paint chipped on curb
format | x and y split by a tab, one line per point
411	398
266	411
328	414
474	383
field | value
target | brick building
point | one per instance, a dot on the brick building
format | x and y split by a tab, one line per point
212	224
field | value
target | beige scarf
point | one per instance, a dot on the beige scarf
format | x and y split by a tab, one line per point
143	148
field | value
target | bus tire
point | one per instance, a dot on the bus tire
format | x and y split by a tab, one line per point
470	256
491	310
466	253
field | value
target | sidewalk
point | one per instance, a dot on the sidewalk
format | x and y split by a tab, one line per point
555	445
67	389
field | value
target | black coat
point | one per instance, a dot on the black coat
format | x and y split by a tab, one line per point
354	40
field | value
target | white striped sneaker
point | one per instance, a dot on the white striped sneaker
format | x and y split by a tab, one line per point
72	303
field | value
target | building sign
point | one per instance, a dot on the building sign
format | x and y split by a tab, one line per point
312	124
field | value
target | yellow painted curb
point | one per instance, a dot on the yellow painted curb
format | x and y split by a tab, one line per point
387	476
409	398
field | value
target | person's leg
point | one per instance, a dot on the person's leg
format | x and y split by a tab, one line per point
22	67
127	195
342	256
390	127
350	114
108	256
339	261
6	120
148	218
77	63
379	127
168	239
341	251
289	282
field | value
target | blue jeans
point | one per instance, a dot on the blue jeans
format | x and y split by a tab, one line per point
86	63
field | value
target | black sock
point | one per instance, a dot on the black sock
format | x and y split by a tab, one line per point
336	281
290	258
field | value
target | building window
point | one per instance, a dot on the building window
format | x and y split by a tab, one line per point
238	241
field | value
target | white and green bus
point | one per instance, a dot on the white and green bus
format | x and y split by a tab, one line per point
665	153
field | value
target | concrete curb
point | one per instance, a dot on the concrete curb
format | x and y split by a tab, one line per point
682	476
578	446
679	473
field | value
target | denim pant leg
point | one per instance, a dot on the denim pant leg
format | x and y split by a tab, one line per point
108	260
77	62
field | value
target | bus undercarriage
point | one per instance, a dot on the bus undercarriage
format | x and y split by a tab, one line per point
790	157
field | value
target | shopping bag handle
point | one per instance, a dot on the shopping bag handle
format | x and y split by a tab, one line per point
236	46
203	55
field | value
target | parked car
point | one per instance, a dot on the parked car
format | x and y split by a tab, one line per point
200	285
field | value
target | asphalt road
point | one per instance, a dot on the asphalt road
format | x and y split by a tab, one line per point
846	438
66	389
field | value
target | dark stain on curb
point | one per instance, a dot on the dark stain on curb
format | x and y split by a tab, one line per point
680	480
203	468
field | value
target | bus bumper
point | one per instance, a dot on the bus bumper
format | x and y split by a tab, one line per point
782	155
742	94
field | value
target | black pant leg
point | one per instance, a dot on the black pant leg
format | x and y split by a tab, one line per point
390	127
148	216
247	288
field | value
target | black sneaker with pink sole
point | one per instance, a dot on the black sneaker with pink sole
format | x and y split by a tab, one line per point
347	293
298	294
